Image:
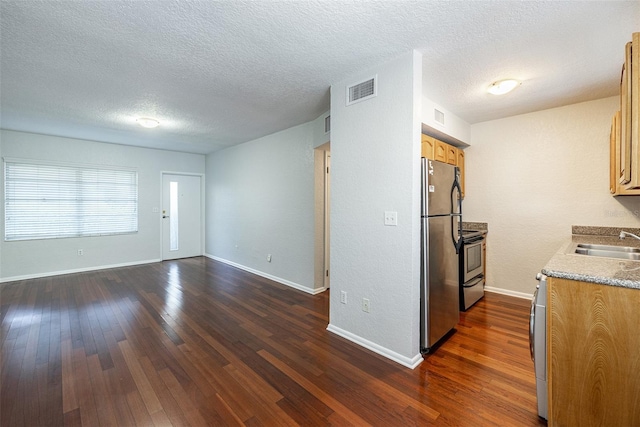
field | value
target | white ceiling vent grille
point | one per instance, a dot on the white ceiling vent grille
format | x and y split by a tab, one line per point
362	91
438	116
327	124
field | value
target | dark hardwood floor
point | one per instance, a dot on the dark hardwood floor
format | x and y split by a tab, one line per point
196	342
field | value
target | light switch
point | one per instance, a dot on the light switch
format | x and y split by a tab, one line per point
390	218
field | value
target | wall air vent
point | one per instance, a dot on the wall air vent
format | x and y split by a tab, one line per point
327	124
438	116
362	91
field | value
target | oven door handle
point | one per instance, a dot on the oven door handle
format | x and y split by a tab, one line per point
470	240
532	323
473	282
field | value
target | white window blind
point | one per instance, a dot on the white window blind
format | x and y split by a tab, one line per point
50	201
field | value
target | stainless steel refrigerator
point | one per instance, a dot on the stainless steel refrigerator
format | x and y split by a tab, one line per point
441	239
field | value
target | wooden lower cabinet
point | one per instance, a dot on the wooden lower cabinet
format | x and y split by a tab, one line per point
593	354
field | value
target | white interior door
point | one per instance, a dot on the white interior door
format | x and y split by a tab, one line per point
327	221
181	216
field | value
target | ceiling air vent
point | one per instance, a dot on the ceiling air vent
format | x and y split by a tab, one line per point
438	116
327	124
362	91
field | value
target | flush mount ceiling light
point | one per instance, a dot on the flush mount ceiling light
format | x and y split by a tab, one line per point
503	86
147	122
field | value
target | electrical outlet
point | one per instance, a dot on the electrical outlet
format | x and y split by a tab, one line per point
80	252
365	305
343	297
268	257
390	218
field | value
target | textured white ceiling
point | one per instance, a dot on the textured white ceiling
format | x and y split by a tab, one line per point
219	73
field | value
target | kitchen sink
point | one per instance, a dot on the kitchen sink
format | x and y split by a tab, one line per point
607	248
621	252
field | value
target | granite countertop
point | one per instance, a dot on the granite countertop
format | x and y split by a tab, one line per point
566	264
476	226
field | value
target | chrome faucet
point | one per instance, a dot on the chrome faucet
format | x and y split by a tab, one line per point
623	234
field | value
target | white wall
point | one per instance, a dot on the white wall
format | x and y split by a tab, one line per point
320	137
453	125
375	158
260	200
33	258
532	177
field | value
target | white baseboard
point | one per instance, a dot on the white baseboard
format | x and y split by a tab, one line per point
508	292
76	270
268	276
389	354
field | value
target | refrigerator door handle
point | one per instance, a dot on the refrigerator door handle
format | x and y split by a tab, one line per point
457	241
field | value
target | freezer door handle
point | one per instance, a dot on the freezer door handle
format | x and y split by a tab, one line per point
423	187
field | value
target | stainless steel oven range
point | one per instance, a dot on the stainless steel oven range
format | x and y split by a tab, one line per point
471	268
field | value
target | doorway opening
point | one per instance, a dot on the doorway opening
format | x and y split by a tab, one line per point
322	272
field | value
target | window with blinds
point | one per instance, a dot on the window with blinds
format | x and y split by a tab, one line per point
45	201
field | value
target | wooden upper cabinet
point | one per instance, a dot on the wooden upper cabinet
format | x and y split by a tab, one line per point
428	147
613	144
625	132
440	151
452	155
634	102
616	159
